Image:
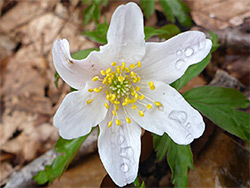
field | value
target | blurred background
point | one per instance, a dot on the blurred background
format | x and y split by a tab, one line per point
29	97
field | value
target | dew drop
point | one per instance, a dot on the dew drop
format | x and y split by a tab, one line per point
120	139
127	152
179	64
124	167
179	52
189	51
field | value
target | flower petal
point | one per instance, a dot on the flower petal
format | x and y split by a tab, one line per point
167	61
75	117
74	72
126	34
176	117
119	149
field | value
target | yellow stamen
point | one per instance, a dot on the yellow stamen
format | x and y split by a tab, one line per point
138	64
133	107
128	120
151	85
123	66
114	112
97	90
106	105
120	78
103	72
110	124
95	78
149	106
114	64
118	122
137	96
117	102
132	66
90	90
141	113
142	97
158	104
118	69
90	101
117	106
108	70
137	88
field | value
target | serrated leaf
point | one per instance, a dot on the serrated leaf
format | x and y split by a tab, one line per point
166	31
68	150
191	72
99	34
148	7
179	158
178	9
220	106
161	144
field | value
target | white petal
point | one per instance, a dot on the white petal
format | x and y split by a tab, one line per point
75	118
119	149
74	72
126	34
167	61
176	117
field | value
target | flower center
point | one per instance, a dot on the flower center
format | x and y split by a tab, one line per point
121	85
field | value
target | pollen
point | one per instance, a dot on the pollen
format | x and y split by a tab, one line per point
110	124
90	101
128	120
106	105
118	122
95	78
119	83
141	113
158	104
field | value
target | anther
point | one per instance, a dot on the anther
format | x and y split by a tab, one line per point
106	105
149	106
90	90
118	122
151	85
114	64
103	72
90	101
133	107
158	104
114	112
142	97
110	124
141	113
108	70
123	66
132	66
138	64
95	78
128	120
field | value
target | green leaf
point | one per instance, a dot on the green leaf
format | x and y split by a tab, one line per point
191	72
88	13
68	150
220	106
97	13
137	183
180	158
56	78
178	9
166	32
161	144
214	39
148	7
99	34
83	53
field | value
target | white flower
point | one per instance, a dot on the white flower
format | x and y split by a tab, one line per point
125	87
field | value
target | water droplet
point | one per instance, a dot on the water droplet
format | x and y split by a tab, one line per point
179	52
127	152
124	167
179	64
120	139
201	44
189	51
